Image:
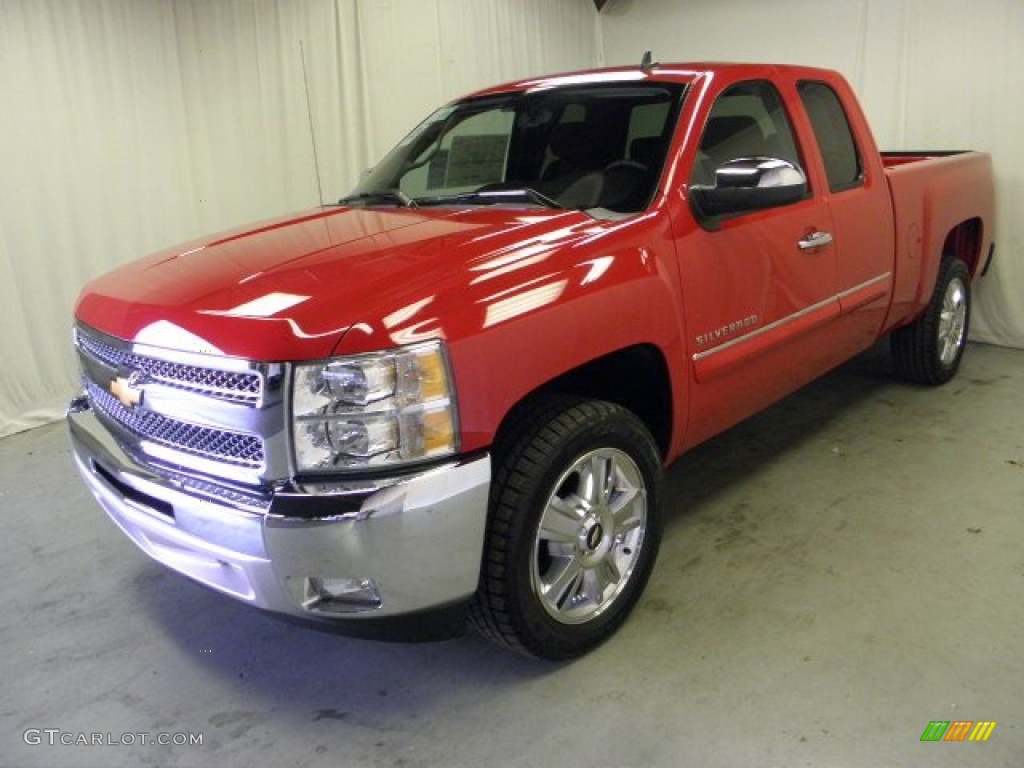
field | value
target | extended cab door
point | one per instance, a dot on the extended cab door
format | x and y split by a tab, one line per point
759	286
862	216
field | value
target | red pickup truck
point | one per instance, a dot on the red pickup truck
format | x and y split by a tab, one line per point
451	395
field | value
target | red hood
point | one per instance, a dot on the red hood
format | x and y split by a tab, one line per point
289	288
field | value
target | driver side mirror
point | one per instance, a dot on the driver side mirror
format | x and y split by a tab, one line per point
750	184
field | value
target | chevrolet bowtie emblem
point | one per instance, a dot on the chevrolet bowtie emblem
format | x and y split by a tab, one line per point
126	391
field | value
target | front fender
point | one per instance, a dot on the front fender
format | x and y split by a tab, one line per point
546	329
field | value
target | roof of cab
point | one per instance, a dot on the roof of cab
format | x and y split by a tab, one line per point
674	72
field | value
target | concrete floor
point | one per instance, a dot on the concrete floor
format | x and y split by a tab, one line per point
836	573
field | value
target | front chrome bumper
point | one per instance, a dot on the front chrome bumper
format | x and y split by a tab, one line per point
404	548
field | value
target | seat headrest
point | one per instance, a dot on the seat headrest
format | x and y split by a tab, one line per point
731	129
580	142
646	150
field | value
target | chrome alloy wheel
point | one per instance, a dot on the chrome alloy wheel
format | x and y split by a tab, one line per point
952	321
590	536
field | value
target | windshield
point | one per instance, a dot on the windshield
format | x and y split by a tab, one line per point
586	147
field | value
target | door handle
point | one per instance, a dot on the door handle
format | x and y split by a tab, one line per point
814	240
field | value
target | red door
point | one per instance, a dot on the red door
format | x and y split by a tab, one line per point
759	288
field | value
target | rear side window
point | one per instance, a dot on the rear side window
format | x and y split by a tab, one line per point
835	139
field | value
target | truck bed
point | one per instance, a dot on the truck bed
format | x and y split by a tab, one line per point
935	194
893	158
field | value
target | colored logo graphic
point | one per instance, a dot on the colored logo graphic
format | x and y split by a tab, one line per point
127	390
958	730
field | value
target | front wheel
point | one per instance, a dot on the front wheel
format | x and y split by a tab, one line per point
574	528
929	350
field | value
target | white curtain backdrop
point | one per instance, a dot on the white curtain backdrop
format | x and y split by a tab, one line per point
129	125
931	74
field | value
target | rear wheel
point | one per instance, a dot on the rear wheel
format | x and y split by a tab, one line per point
574	528
929	350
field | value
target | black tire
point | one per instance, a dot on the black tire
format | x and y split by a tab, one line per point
563	563
929	350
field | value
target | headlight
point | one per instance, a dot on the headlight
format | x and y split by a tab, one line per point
383	409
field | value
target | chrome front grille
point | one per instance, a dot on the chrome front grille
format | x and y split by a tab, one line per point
211	443
184	411
234	386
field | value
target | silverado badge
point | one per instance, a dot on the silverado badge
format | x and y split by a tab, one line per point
126	390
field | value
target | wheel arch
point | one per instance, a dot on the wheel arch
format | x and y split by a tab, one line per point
964	242
635	377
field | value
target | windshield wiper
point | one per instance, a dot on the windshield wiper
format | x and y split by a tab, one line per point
380	196
491	197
